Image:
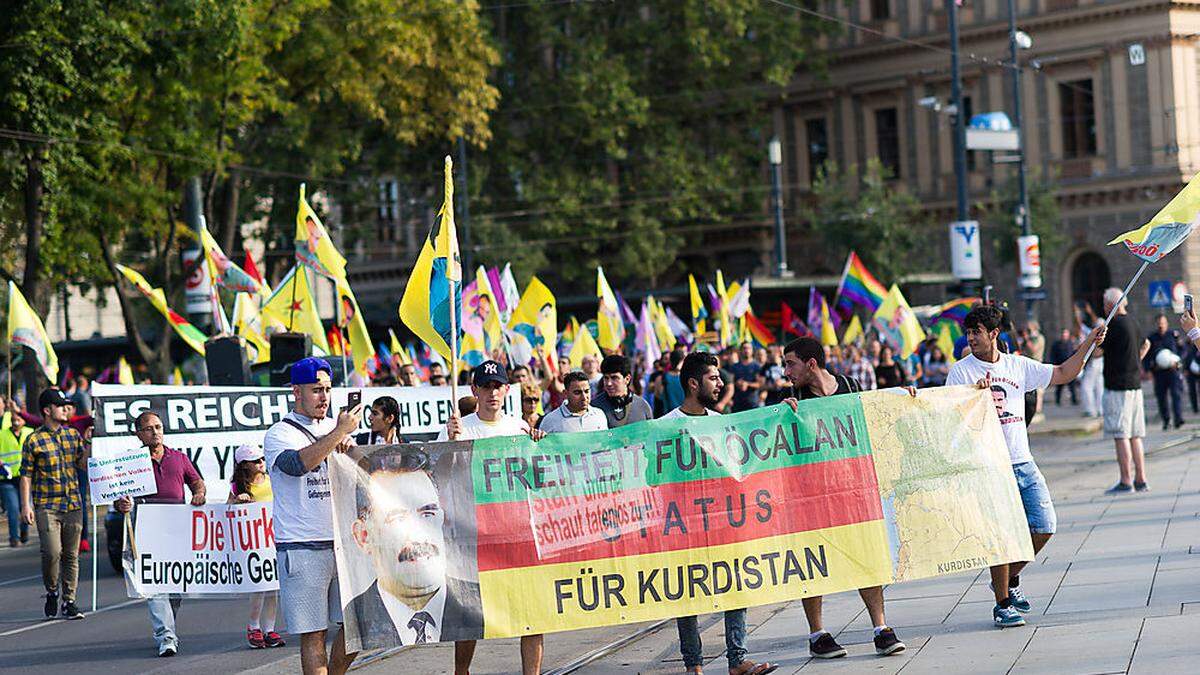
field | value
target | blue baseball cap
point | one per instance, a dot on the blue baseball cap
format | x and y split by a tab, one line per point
305	370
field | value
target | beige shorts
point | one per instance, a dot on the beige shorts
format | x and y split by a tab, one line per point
1124	413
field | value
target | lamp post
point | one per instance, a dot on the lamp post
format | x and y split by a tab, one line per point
775	157
960	124
1027	244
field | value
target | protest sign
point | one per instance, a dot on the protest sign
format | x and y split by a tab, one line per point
209	423
128	474
229	548
507	537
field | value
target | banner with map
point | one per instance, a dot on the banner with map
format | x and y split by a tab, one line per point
506	536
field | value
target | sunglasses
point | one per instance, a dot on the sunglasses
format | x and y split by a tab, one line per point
529	399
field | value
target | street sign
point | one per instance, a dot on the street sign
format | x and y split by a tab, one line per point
964	250
1160	293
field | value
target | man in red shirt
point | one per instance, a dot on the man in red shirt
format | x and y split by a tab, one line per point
172	470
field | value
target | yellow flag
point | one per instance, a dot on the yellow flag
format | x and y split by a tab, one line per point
398	349
351	318
435	285
584	344
723	311
25	328
1168	228
897	323
314	248
662	327
698	311
853	331
293	308
248	325
608	315
124	372
945	342
828	334
536	317
190	334
489	312
177	377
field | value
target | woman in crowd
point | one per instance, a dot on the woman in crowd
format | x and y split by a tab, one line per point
384	418
889	373
252	484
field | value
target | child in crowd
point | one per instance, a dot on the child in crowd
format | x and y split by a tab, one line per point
252	484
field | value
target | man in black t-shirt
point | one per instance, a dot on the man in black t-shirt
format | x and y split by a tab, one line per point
1124	407
804	365
747	380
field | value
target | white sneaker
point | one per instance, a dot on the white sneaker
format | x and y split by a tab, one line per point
168	648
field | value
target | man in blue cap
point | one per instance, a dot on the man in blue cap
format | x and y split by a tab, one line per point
296	449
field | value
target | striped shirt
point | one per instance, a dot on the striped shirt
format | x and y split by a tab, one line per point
50	459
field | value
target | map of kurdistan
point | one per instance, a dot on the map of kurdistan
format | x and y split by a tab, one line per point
946	482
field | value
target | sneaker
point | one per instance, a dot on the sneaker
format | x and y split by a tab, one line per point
255	637
84	546
273	640
825	647
1007	617
70	611
1018	600
886	643
168	649
15	543
1141	487
51	605
1119	488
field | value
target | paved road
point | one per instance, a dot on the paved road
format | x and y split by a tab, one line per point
1116	591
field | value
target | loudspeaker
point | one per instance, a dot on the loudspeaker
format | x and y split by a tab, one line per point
286	349
226	361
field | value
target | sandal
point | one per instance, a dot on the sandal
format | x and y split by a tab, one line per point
752	668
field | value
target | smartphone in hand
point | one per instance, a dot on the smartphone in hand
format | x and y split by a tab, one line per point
1187	304
353	400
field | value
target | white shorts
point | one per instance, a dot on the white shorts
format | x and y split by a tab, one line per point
1124	413
308	589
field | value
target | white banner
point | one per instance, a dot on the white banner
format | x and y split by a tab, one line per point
126	474
229	548
209	423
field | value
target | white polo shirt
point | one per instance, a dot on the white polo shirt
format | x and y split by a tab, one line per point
562	420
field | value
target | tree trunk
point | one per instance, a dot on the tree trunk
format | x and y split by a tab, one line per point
31	286
228	225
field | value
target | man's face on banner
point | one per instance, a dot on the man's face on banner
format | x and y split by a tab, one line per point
402	532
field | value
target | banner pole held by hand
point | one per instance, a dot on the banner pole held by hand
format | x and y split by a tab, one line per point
1113	311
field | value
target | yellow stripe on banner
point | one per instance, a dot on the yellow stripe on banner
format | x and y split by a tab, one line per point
566	596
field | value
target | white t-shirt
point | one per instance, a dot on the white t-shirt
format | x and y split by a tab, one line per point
679	414
1012	376
303	505
474	428
561	419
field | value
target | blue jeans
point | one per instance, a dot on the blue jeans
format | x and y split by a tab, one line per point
12	508
163	609
735	639
1035	497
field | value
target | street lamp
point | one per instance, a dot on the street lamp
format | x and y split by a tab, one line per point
1027	243
775	157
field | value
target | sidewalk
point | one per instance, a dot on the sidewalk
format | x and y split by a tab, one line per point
1116	590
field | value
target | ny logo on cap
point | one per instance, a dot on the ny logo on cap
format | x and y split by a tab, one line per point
489	368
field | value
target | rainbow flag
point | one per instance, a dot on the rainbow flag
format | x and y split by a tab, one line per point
858	287
758	331
955	310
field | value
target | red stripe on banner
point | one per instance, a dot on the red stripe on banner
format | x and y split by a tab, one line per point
673	516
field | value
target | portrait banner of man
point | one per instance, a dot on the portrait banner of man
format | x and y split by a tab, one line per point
411	576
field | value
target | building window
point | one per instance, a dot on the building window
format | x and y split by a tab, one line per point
818	146
1078	114
887	140
880	10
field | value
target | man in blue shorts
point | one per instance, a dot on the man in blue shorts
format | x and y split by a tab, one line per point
1009	377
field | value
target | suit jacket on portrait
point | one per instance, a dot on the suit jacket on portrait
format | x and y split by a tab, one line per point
462	615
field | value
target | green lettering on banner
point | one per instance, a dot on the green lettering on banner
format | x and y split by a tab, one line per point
669	451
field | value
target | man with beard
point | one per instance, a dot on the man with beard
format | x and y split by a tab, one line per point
489	385
399	525
700	376
804	365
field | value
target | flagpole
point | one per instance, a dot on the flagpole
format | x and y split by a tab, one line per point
292	306
452	367
1117	305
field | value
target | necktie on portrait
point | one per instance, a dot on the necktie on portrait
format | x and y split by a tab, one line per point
418	623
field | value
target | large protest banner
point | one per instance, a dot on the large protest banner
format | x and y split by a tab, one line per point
504	536
228	548
209	423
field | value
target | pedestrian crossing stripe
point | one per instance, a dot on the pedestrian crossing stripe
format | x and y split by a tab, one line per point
1159	297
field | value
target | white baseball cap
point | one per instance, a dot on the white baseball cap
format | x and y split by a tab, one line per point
247	453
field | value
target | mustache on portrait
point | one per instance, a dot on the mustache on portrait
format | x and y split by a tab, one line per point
417	551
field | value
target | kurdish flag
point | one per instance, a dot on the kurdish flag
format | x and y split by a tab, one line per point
858	287
314	248
604	528
699	313
293	307
434	288
608	314
1168	228
897	323
190	334
25	328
